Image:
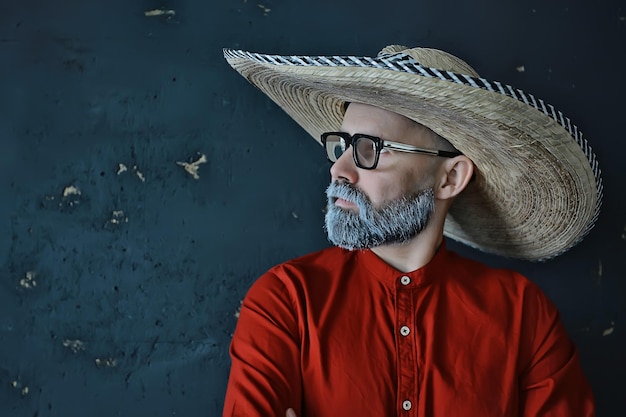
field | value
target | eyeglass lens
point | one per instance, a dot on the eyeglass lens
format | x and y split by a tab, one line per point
365	149
335	147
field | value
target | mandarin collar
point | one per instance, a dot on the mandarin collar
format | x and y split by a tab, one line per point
387	274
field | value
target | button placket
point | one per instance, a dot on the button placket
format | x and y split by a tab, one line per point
406	349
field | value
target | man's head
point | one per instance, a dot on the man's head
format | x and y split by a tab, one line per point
538	187
395	201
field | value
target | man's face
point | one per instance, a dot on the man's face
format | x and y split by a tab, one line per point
390	204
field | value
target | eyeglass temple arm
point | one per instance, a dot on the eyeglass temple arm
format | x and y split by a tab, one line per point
408	148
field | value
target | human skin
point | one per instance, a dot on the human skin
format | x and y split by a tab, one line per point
399	174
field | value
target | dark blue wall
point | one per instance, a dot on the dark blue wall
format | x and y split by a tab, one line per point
118	290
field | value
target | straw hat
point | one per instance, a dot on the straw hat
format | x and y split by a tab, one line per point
538	188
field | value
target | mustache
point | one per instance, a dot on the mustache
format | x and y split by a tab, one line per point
346	192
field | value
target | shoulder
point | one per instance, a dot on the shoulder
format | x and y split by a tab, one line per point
502	297
497	285
476	272
297	273
317	264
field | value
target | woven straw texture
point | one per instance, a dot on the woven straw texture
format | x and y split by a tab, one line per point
538	187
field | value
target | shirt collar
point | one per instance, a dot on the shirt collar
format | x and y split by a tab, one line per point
386	273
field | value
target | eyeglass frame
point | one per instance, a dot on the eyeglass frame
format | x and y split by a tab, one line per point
380	145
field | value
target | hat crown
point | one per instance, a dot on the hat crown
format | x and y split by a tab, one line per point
432	58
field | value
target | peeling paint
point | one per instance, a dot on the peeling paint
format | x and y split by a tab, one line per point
138	173
238	311
609	330
70	197
121	169
117	219
24	390
266	10
28	281
74	345
192	168
70	190
159	12
106	362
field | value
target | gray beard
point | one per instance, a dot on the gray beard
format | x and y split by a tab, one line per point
397	222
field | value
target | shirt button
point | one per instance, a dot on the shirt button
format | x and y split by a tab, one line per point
406	405
405	280
404	330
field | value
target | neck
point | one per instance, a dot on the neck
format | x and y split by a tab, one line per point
417	252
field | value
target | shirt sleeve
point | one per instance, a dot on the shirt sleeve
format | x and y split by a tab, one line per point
265	376
552	382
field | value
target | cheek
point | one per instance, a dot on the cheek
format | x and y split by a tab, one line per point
384	190
421	179
386	186
413	181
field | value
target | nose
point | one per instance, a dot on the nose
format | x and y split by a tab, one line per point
344	169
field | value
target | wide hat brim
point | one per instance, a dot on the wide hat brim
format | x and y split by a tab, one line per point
538	187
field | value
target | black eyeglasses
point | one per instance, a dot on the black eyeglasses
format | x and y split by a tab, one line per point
367	148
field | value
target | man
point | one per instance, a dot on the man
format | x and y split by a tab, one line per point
389	322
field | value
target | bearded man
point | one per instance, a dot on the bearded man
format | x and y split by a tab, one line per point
389	322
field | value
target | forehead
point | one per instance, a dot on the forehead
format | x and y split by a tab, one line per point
371	120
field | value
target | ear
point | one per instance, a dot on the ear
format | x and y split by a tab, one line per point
454	175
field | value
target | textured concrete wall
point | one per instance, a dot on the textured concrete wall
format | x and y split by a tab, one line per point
121	273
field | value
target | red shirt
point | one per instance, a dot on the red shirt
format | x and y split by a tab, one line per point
341	333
